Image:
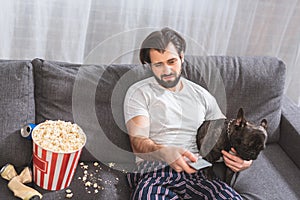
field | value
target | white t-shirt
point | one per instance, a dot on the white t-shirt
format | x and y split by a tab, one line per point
174	116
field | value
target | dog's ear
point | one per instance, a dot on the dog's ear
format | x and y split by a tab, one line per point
240	120
264	123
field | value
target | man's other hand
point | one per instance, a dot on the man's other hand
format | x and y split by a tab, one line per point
234	162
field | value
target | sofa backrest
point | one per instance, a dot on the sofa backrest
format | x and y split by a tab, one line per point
255	83
82	94
17	109
92	96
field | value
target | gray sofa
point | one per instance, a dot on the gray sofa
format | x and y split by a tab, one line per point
92	96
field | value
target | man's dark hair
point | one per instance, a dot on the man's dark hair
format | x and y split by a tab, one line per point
159	41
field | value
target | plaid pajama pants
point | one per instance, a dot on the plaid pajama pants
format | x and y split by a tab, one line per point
156	180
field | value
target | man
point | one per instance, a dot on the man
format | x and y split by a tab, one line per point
162	115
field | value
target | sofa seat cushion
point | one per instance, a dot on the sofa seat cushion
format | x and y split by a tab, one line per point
102	182
17	109
272	176
111	183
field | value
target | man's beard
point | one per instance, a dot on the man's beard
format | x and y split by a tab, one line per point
168	84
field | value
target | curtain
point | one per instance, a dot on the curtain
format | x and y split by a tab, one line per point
99	31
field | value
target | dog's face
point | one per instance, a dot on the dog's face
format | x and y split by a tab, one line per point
246	138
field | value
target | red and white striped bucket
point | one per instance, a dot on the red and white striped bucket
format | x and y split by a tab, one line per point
52	170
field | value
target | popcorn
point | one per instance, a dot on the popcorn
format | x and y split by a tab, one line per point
93	180
59	136
85	166
111	164
88	184
69	193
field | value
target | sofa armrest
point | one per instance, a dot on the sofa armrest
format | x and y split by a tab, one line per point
290	129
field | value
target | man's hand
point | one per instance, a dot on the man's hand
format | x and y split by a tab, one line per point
234	162
176	157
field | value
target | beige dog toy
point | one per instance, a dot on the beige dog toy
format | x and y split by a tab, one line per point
16	182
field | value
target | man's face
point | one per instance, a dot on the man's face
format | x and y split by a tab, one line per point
166	66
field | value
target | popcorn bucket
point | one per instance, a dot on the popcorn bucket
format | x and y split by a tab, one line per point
54	170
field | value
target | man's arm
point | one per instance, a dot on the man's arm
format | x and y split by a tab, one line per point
138	129
144	147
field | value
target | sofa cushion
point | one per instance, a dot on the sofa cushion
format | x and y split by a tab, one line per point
272	176
17	109
105	183
82	94
110	183
254	83
53	89
53	92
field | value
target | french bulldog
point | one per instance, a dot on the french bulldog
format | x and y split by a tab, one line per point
246	138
